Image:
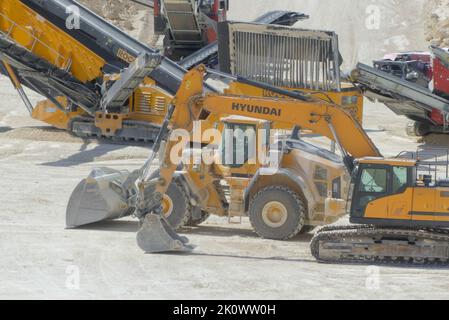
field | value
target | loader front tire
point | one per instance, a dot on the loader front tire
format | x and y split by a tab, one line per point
175	203
176	206
277	212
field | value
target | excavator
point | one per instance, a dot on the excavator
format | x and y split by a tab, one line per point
397	215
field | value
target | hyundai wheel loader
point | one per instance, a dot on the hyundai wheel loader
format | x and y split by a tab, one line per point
291	197
229	189
397	214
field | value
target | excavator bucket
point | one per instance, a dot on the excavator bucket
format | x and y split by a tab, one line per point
156	235
98	197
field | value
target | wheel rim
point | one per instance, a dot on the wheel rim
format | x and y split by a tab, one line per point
167	206
274	214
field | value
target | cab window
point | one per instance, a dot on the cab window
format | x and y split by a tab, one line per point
238	145
374	180
400	179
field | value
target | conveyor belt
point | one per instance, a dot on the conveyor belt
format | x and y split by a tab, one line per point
402	97
107	41
46	79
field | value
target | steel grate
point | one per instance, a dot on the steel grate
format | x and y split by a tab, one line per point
285	57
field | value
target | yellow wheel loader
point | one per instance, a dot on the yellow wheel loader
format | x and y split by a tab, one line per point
280	202
399	215
279	205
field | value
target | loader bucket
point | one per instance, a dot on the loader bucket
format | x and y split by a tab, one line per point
98	197
157	236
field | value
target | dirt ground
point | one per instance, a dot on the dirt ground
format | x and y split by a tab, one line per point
39	168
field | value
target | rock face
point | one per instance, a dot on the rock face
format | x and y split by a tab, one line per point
367	29
133	18
120	12
437	27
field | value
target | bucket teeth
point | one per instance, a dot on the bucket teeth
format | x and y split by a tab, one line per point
156	236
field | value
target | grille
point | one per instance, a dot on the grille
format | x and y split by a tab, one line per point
150	103
285	57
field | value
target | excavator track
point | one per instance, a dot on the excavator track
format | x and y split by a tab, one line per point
366	244
132	131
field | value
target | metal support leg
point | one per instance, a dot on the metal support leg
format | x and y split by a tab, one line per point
16	83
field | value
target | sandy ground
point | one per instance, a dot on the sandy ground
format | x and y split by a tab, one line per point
40	166
39	258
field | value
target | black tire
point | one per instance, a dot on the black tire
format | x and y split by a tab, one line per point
306	229
293	203
180	212
193	223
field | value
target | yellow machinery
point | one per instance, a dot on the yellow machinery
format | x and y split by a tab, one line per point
398	213
305	176
74	58
71	66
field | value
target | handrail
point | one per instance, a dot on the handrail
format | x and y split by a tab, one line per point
66	62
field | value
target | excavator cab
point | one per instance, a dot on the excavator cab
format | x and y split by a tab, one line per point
379	189
400	213
396	193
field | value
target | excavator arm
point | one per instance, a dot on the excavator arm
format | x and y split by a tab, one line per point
320	117
191	104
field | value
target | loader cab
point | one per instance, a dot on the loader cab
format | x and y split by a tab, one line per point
374	179
241	139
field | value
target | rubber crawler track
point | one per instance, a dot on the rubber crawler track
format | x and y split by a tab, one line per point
354	232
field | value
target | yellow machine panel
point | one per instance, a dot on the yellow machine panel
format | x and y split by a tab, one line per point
47	112
45	40
349	98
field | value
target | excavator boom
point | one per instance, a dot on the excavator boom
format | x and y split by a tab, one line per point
322	118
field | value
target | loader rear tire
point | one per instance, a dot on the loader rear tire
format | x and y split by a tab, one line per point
277	213
306	229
